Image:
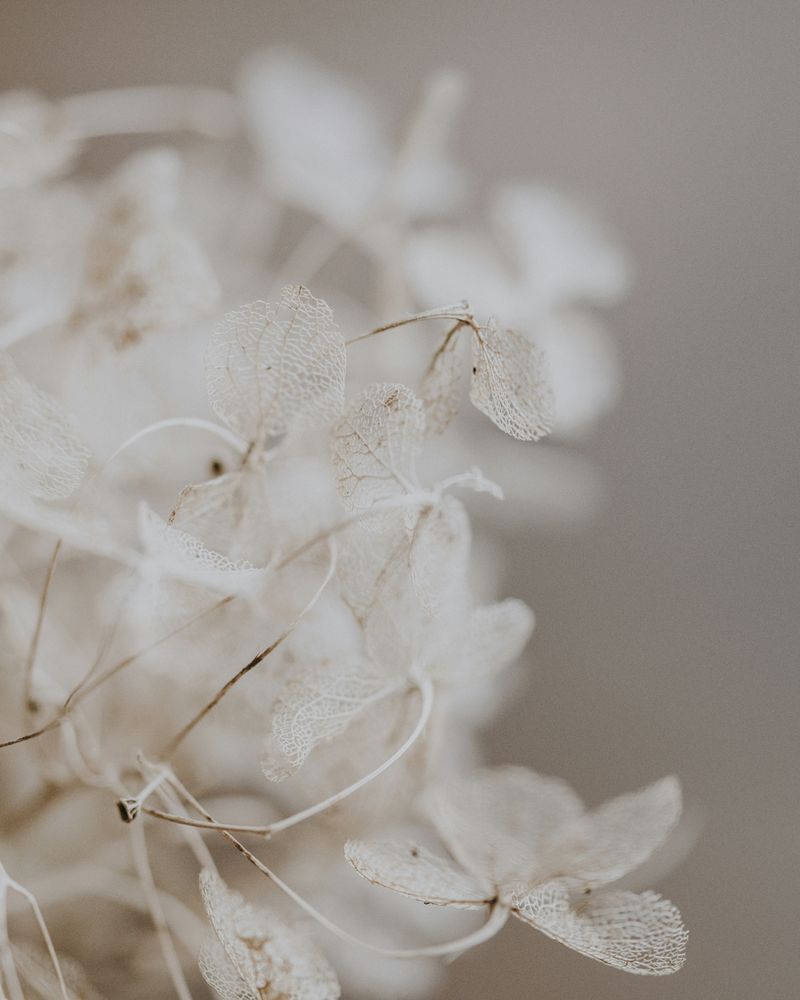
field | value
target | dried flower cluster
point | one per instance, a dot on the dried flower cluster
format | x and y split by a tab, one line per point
245	603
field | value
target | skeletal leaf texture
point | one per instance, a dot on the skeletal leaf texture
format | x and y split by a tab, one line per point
272	960
532	845
635	932
440	390
41	454
375	445
273	366
319	705
510	383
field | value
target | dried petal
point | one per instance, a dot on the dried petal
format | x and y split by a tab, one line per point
375	445
607	843
636	932
34	139
440	390
273	366
510	384
319	705
40	453
496	822
417	872
275	961
496	635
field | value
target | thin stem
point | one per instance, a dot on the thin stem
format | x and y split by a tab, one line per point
195	422
176	741
10	975
134	110
130	806
51	951
458	311
153	899
426	691
80	694
498	915
30	662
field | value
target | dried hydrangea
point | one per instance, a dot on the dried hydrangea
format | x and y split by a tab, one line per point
238	546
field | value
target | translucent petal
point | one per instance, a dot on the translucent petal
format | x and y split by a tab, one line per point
319	705
510	383
496	822
640	933
185	555
145	274
448	264
610	841
375	445
417	872
320	139
220	972
36	970
496	635
34	139
440	390
40	453
564	254
274	960
273	366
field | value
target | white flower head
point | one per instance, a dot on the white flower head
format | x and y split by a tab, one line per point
527	843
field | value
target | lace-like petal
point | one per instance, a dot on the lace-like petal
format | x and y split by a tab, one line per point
273	366
496	635
440	390
220	972
317	706
275	961
40	453
510	384
495	822
636	932
417	872
608	842
375	445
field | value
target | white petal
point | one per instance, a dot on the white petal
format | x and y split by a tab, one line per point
273	959
440	390
510	383
34	139
40	453
319	705
321	141
565	254
640	933
417	872
375	445
274	366
496	635
450	264
495	822
608	842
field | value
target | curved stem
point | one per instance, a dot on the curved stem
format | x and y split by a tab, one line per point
426	691
135	110
51	951
176	741
196	422
459	311
498	915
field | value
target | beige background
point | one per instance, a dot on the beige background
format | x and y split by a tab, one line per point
668	631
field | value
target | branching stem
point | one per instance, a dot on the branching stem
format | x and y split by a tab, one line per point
427	693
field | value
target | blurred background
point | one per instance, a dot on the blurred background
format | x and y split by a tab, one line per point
668	626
